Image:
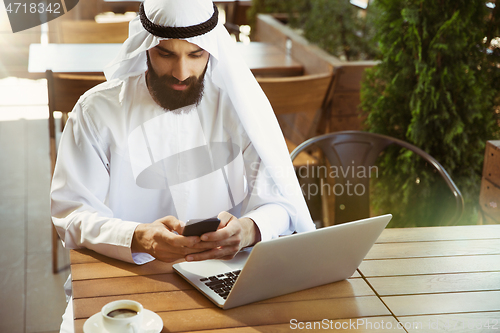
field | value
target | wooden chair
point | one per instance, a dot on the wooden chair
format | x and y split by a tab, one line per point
89	31
64	91
341	112
489	196
236	15
297	102
361	149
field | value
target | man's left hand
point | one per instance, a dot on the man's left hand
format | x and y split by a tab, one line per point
232	235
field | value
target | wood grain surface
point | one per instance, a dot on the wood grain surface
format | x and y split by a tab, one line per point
416	276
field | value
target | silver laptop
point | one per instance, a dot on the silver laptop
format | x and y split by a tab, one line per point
286	264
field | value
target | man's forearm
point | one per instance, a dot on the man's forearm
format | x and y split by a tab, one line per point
138	244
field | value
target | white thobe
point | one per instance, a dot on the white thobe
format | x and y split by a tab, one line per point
123	160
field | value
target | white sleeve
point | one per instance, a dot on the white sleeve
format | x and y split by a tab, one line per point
265	205
271	219
79	190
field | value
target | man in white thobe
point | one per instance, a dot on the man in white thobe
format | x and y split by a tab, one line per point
180	130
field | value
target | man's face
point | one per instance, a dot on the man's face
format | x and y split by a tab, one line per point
176	69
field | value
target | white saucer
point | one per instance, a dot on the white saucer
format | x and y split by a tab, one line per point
152	323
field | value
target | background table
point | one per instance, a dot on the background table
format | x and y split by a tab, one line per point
417	276
263	59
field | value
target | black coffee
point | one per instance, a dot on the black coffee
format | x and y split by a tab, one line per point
122	313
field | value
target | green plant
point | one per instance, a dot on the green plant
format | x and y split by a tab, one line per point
337	26
267	6
436	87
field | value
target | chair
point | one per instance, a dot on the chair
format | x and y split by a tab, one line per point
236	15
489	196
356	148
89	31
297	102
64	91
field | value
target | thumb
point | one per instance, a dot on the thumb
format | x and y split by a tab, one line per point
225	218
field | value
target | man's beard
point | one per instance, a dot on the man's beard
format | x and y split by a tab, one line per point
170	99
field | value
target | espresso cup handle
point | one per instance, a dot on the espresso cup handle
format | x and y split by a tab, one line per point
135	327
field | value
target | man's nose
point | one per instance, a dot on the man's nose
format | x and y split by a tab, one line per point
181	70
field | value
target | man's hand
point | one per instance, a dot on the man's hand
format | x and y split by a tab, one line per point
159	240
232	235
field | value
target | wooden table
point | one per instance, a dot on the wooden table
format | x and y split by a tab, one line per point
263	59
438	276
416	276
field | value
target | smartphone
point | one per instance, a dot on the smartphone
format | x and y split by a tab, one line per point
198	227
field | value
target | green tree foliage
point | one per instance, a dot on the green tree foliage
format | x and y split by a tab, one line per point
340	28
268	6
436	87
337	26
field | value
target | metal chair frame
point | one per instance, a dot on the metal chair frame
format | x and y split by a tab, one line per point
357	148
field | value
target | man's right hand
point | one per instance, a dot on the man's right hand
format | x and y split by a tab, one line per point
159	240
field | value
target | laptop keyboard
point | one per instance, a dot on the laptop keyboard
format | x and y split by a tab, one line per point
221	283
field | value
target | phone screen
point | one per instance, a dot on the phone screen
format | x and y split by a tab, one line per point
198	227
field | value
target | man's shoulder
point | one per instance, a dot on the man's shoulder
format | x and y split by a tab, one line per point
110	92
106	87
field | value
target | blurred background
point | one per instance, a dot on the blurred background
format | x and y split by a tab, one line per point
421	71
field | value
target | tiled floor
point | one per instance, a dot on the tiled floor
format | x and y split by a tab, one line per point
32	298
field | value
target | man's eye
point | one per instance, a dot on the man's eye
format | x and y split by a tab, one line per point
165	55
196	55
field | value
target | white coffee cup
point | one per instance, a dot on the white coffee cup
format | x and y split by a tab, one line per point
123	316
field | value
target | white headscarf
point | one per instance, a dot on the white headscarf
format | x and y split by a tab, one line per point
230	74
